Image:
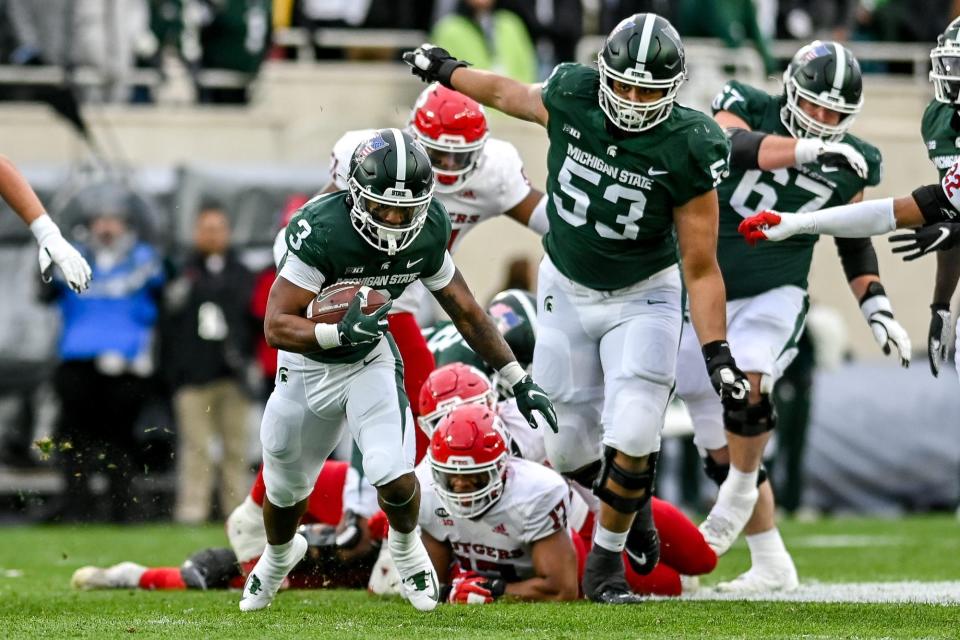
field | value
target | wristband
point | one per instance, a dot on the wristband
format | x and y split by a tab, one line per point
44	228
512	373
328	335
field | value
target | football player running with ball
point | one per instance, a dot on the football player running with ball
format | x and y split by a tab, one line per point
386	232
478	177
791	152
627	167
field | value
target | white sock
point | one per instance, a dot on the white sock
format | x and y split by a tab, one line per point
740	483
767	543
610	540
277	553
401	543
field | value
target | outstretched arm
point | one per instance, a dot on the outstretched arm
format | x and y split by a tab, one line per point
517	99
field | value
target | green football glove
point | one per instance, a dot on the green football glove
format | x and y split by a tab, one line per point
356	327
530	397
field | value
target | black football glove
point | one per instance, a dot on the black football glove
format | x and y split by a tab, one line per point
728	381
432	64
356	327
938	337
933	237
530	397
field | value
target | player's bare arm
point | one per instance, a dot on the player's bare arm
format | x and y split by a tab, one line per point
758	150
696	223
54	249
517	99
440	556
555	563
284	325
524	210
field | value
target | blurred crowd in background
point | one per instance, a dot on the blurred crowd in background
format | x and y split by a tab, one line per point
222	43
157	415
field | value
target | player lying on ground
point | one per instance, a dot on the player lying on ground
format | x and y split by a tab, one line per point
385	232
340	555
497	525
54	249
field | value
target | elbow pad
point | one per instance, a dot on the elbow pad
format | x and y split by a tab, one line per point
745	148
858	257
935	205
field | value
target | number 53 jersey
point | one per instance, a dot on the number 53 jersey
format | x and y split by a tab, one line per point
534	504
749	271
610	197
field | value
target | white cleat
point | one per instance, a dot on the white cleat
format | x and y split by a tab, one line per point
266	579
767	576
418	578
725	521
125	575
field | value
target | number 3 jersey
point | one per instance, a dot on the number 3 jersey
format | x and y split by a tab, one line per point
534	504
749	271
611	197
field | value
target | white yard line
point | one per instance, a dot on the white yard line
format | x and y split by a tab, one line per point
945	592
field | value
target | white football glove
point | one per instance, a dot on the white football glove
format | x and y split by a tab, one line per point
830	153
54	249
886	330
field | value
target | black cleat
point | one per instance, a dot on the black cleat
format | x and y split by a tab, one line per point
604	579
643	544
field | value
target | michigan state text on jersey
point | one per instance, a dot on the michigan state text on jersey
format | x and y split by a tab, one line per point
626	167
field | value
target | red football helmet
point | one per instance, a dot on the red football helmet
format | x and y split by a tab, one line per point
468	457
453	128
449	387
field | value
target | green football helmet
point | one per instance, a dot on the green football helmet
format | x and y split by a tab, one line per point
645	51
828	75
945	74
391	185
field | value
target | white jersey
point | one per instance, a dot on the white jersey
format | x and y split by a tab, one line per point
534	504
497	184
525	442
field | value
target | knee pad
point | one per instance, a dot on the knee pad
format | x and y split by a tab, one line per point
210	569
585	476
753	420
629	480
718	472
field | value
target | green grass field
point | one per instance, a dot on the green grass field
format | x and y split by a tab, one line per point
36	600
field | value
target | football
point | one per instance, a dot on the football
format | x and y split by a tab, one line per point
331	304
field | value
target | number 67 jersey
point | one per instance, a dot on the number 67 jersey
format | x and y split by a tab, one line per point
611	195
750	271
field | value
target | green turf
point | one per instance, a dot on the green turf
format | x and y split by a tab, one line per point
39	603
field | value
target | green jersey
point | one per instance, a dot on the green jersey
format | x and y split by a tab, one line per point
322	236
749	271
940	129
610	197
447	346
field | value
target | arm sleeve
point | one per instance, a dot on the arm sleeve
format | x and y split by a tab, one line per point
548	513
539	223
858	257
297	272
443	276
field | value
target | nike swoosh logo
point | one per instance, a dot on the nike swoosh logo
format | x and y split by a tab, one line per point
410	263
944	234
656	172
531	395
641	559
366	362
656	302
360	329
826	168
